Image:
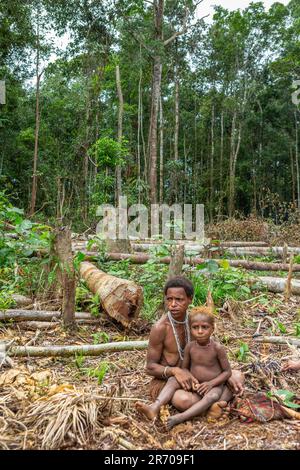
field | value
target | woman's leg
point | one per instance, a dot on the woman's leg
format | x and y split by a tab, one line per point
151	411
197	408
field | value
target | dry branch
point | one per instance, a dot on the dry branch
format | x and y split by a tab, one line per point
278	340
85	350
121	299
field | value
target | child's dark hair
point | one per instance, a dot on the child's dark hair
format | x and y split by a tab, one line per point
204	312
180	281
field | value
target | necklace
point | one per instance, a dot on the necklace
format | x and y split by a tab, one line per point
186	331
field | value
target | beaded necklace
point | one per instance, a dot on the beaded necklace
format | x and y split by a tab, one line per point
186	330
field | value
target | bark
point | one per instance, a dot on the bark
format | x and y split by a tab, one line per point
121	299
20	315
63	249
69	351
156	86
176	261
278	340
221	165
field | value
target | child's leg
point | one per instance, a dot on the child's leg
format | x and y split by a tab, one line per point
165	396
211	397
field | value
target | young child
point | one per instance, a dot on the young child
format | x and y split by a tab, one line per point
207	361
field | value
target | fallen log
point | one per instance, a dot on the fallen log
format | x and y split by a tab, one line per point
121	299
68	351
39	315
278	340
142	258
278	284
21	300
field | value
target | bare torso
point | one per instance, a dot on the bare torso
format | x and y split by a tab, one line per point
170	356
204	364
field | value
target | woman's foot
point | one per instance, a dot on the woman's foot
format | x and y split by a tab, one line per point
216	410
150	411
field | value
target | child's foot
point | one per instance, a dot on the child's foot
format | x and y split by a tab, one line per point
216	410
150	411
173	421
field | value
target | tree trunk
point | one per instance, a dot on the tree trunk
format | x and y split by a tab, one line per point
70	351
161	164
63	248
221	165
120	130
39	315
234	151
156	85
37	123
297	159
176	261
176	128
121	299
211	192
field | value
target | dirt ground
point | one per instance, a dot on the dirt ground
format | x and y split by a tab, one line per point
37	394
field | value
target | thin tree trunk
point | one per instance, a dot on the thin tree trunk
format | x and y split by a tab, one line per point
234	151
176	129
37	122
297	160
120	129
157	68
161	165
212	164
293	176
221	164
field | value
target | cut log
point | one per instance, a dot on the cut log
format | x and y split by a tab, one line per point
278	340
38	315
142	258
21	300
121	299
68	351
278	284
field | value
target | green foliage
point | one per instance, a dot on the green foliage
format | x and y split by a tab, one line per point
286	397
243	352
109	153
224	283
297	329
100	337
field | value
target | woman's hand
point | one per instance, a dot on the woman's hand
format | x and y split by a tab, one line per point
184	378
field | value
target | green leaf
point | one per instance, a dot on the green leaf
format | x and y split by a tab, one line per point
224	263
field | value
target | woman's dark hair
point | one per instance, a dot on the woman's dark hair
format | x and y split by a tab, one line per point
180	281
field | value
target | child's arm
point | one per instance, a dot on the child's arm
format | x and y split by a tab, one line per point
221	378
